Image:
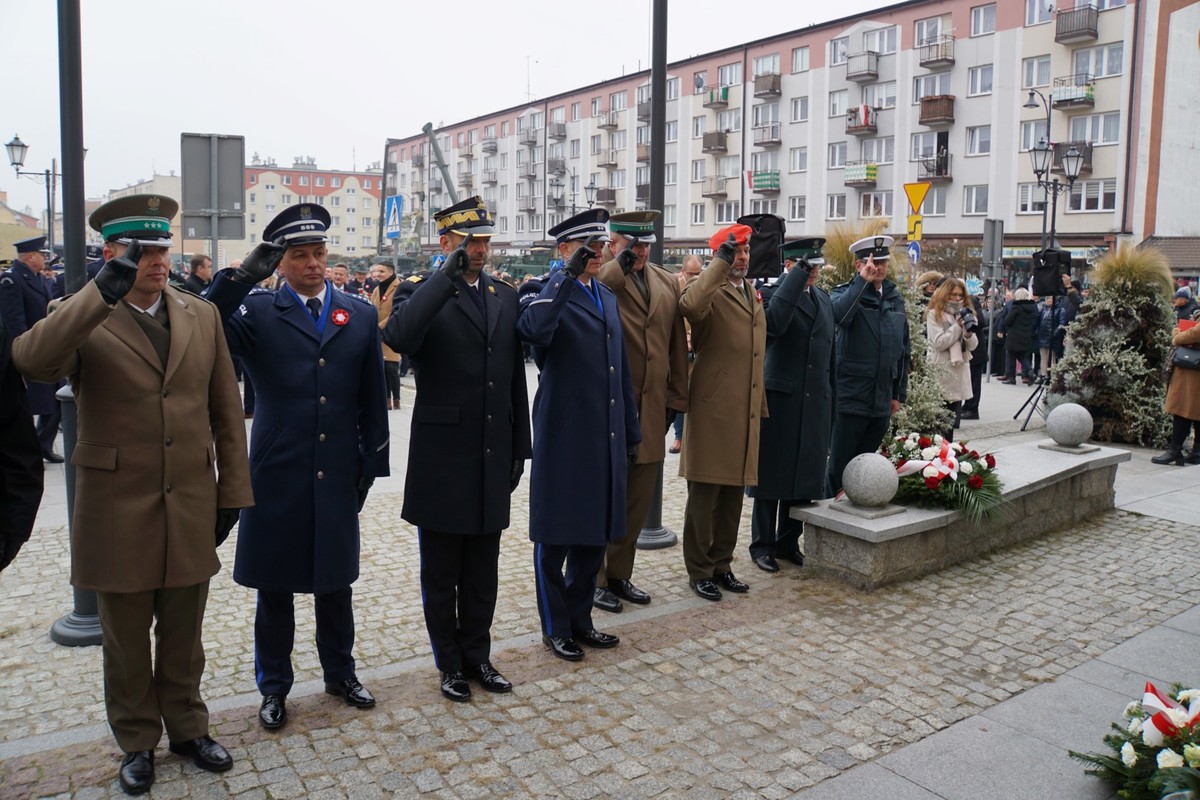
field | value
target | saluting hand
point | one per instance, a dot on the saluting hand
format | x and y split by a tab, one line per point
456	261
116	277
627	258
578	261
260	264
728	249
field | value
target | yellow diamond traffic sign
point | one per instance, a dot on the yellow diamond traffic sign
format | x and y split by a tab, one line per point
916	194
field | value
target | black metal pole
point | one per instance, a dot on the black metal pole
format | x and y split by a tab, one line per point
49	213
654	535
1045	184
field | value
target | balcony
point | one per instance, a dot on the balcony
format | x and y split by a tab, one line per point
937	109
643	111
556	202
768	135
528	136
765	181
862	120
435	185
527	204
713	187
936	52
862	66
768	85
1060	150
860	173
936	169
556	166
527	170
607	120
467	150
466	180
490	146
606	197
717	97
607	159
1077	25
1074	90
418	160
489	176
643	193
643	153
715	142
557	130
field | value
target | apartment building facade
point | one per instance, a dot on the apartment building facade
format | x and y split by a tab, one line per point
826	124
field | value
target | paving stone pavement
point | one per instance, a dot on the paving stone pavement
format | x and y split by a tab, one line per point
760	695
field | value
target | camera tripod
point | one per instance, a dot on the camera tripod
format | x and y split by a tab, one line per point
1034	401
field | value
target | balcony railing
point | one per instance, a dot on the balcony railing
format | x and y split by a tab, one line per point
557	130
490	146
527	170
768	85
1060	150
862	120
466	179
1077	25
607	120
606	197
643	193
527	204
489	176
435	185
715	142
467	150
1074	90
556	166
418	160
643	153
643	111
528	136
860	173
608	159
862	66
765	181
937	109
937	52
768	135
713	187
557	202
937	169
717	97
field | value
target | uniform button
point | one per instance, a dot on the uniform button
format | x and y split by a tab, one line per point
321	361
608	336
321	438
489	417
169	487
612	402
491	385
753	416
320	475
490	350
322	399
611	370
166	392
612	436
169	441
754	386
487	451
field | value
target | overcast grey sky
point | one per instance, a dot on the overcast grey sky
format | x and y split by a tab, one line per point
333	79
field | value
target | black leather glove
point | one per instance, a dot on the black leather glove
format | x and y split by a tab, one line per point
364	486
226	519
578	261
632	452
456	261
260	264
518	469
671	413
626	258
116	277
728	249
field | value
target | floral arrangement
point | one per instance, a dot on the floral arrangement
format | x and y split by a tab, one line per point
1151	746
937	471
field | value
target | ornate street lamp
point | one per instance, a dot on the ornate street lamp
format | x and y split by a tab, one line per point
16	157
589	192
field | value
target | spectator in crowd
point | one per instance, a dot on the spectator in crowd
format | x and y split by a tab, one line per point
979	358
1049	325
950	332
1017	329
1183	403
201	275
927	283
384	276
339	276
1185	304
689	270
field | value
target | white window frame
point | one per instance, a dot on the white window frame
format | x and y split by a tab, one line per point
839	50
836	158
1037	12
798	159
800	59
979	80
1099	60
881	149
800	109
881	40
983	20
698	124
880	95
728	211
876	204
1032	131
832	203
839	101
1035	71
766	65
1100	129
797	208
979	140
669	215
971	200
1083	190
939	82
922	153
698	169
670	173
1031	198
926	30
730	74
934	204
697	213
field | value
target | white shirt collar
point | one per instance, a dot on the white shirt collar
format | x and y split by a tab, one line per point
152	310
304	298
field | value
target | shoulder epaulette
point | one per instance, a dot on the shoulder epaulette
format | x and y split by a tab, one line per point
261	290
414	278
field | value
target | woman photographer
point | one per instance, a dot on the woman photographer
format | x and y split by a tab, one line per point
950	326
1183	403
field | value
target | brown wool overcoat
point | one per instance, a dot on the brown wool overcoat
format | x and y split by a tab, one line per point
149	440
1183	393
383	309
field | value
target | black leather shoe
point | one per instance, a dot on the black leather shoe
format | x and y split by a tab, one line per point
597	639
55	458
137	772
727	581
566	649
205	753
796	557
1194	456
489	678
969	415
766	563
706	589
353	692
605	600
627	591
273	712
454	687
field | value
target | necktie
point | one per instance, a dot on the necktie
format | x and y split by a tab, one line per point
314	307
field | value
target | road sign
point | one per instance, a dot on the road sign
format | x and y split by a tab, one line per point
213	187
394	205
914	227
914	251
916	194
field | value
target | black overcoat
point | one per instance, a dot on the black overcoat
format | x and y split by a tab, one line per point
873	347
24	297
21	468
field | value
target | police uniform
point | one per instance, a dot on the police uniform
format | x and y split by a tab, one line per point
584	424
24	297
872	360
469	441
320	430
21	469
799	378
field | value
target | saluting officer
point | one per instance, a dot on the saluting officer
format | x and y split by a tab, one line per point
320	438
656	345
469	441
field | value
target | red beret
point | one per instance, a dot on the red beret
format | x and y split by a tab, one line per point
740	232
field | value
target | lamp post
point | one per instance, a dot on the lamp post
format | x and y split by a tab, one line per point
16	157
589	191
1040	153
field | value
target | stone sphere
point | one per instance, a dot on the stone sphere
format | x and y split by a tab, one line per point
870	480
1069	424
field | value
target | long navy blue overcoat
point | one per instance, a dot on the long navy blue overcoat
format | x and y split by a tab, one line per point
24	297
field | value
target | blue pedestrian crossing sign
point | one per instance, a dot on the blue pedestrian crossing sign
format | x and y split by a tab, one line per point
393	213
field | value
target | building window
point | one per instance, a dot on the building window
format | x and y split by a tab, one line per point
253	196
1100	62
672	88
839	51
286	199
1100	195
880	40
270	187
616	179
979	140
764	206
838	102
980	80
335	182
765	114
1031	198
700	80
934	204
799	59
1105	5
930	86
728	212
760	161
926	30
304	180
797	208
880	95
697	170
335	201
730	74
1035	72
881	150
617	140
798	159
837	155
983	20
835	206
520	223
1037	11
800	109
1032	132
698	126
975	200
729	166
669	215
335	240
766	65
1097	128
876	204
730	120
617	101
672	130
697	213
670	174
253	178
287	180
318	181
595	147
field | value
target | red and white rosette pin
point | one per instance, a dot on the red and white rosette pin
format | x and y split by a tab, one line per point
340	317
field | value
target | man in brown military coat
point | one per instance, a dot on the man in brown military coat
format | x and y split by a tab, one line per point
656	343
726	405
159	415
